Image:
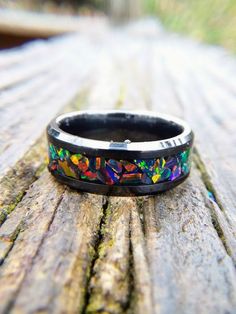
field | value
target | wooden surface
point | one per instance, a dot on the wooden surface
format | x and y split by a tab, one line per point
63	251
32	24
18	27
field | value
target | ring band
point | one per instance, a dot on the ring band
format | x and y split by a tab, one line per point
119	152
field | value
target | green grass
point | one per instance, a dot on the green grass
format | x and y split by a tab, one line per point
212	21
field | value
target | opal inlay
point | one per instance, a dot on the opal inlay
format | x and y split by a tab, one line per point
118	172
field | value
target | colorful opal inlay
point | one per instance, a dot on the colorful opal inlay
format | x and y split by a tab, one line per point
118	172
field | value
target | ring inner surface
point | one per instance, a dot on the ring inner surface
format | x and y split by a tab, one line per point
119	127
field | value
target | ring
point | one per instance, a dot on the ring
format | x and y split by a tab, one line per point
119	152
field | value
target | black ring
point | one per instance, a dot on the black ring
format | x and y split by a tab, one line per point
119	152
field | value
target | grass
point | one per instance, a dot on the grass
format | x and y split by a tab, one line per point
212	21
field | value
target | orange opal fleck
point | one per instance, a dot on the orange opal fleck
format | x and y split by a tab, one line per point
98	163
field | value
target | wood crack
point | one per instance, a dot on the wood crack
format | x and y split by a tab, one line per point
219	230
11	304
110	282
12	239
96	253
129	307
213	204
205	177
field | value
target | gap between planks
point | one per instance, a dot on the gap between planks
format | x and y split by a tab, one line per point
176	237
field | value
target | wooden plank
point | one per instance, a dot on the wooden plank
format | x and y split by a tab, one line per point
49	220
33	25
170	253
142	301
79	263
8	158
110	280
25	54
184	249
166	101
170	94
29	164
17	180
23	67
201	99
28	168
36	112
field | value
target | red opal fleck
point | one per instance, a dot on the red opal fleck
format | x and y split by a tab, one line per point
130	167
83	164
90	174
54	167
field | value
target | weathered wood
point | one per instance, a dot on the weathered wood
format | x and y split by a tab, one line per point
27	169
164	96
216	135
110	280
186	253
58	88
17	181
40	25
142	282
61	221
70	252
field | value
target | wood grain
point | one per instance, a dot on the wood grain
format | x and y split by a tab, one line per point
184	248
110	279
62	251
